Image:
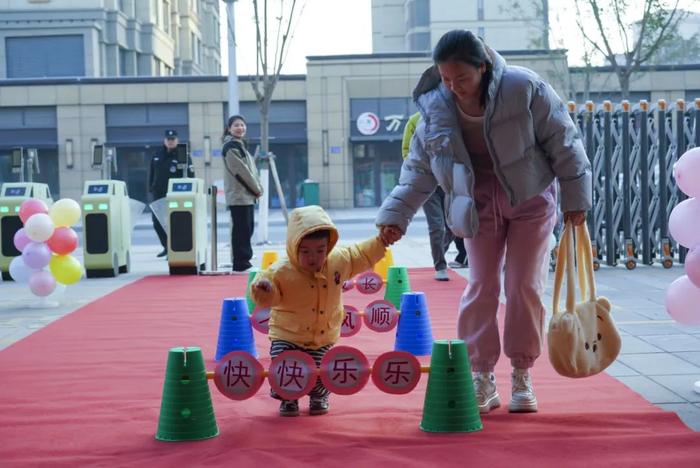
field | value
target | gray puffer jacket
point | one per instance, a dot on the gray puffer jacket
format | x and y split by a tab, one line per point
528	132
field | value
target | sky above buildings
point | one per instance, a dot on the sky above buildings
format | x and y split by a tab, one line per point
339	27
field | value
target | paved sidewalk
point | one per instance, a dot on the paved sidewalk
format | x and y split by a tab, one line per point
660	359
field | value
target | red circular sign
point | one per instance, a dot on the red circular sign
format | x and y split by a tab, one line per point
261	320
352	322
396	372
344	370
367	123
369	283
292	374
238	375
381	316
347	285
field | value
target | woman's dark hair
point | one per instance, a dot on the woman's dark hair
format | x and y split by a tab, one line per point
464	46
230	121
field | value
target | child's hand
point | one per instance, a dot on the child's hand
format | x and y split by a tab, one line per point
263	285
389	234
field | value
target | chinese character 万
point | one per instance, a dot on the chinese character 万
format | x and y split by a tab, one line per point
292	371
340	366
238	371
394	122
393	371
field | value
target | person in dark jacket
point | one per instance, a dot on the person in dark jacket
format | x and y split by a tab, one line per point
164	166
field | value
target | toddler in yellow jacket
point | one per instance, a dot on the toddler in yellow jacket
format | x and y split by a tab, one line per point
304	292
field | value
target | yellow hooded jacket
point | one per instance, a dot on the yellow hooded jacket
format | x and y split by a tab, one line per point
307	309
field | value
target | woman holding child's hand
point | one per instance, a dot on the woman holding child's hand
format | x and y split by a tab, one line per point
495	138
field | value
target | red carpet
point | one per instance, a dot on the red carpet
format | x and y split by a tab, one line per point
86	391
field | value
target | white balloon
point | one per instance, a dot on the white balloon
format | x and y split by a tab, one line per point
39	227
19	271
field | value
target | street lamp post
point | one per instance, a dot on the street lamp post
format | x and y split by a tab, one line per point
233	108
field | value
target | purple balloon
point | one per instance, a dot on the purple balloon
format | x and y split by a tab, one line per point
42	283
684	223
19	271
36	255
692	266
682	299
21	240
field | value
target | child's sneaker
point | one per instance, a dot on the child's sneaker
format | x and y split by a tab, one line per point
318	406
289	408
523	399
485	389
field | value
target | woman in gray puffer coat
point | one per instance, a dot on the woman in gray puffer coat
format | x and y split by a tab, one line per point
496	138
242	187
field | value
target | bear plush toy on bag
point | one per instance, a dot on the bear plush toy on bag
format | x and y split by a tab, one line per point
583	340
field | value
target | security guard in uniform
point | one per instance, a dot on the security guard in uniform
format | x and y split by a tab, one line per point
164	166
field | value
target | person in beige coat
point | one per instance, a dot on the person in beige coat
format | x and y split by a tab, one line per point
243	188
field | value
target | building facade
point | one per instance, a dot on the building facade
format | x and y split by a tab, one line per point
109	38
340	125
417	25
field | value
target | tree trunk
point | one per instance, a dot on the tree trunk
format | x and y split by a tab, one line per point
264	126
624	78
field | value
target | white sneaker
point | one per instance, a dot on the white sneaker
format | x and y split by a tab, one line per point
441	275
523	397
485	389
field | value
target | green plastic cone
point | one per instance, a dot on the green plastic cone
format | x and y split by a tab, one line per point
397	283
450	402
186	412
251	276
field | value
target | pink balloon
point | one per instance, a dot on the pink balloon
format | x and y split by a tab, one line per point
692	266
21	240
63	241
684	222
687	172
42	283
36	255
30	207
682	299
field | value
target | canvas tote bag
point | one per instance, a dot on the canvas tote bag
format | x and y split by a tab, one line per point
583	339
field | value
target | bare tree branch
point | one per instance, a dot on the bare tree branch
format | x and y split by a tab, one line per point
601	29
621	26
662	36
657	25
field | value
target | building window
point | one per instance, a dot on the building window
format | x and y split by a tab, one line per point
166	17
480	10
155	11
481	32
193	47
122	61
45	56
417	13
419	42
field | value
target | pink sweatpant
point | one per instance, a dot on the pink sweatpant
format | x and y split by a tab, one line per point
523	233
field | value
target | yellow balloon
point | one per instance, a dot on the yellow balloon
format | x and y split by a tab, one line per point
65	212
66	269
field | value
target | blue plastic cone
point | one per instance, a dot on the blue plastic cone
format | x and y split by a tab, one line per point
235	329
414	333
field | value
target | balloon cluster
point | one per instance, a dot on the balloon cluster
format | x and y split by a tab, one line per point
46	242
683	295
